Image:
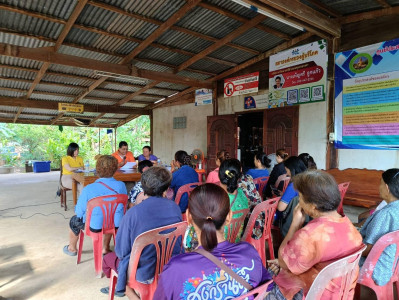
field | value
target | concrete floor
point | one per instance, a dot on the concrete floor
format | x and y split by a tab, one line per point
34	230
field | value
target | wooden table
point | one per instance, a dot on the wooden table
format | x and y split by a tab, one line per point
87	178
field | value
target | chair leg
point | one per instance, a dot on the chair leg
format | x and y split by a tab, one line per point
97	252
81	238
65	200
271	249
112	285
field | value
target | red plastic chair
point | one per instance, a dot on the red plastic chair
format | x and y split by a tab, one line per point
164	244
108	205
268	207
260	183
365	275
187	188
343	187
233	228
344	268
260	291
286	179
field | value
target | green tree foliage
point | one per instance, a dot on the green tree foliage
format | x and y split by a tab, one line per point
40	142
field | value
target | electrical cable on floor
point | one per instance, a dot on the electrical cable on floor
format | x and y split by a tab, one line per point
45	215
31	205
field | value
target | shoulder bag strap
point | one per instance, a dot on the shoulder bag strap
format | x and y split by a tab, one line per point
222	266
108	187
234	200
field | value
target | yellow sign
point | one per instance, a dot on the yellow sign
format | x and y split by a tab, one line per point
69	107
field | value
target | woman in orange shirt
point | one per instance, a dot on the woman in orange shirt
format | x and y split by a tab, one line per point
123	155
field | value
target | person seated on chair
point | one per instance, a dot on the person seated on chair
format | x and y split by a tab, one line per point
305	251
190	275
106	166
308	161
277	171
70	163
213	176
123	155
136	194
261	164
147	155
229	175
182	173
381	222
156	211
293	166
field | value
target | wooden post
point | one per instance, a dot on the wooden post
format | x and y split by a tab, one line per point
99	141
151	129
215	98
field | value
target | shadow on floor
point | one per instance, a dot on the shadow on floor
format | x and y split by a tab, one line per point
11	252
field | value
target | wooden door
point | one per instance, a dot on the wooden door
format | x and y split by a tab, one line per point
281	129
221	135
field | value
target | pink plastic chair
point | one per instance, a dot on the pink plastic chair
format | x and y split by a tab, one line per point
108	205
260	291
187	188
261	184
365	275
164	244
343	187
235	224
344	268
268	207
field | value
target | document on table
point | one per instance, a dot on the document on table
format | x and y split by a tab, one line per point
129	165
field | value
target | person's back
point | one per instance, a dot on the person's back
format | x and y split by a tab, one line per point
256	173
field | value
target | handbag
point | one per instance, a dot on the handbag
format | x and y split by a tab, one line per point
225	268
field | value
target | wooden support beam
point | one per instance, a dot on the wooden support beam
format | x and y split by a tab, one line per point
299	11
142	90
53	105
384	3
241	19
174	27
320	5
48	115
369	15
43	122
47	55
190	4
57	118
18	113
236	33
96	118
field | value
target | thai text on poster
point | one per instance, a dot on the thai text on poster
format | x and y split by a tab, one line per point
241	85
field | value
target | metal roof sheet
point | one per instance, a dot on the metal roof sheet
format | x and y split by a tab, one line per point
183	41
194	75
67	80
36	96
351	6
21	74
119	116
7	93
27	24
96	102
163	56
208	22
151	66
6	115
73	71
8	108
270	22
130	80
134	105
89	54
28	110
230	54
172	86
42	86
119	87
14	84
23	41
103	94
257	39
234	8
210	66
20	62
60	9
36	117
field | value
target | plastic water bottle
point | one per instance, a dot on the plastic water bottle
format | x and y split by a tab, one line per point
159	162
87	166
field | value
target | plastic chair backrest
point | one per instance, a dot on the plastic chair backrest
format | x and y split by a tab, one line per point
235	224
343	187
286	179
187	188
268	207
366	272
344	268
260	183
108	205
164	244
260	291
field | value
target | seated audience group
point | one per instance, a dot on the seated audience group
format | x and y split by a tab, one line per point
314	234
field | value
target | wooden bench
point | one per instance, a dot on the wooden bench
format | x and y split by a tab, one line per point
363	190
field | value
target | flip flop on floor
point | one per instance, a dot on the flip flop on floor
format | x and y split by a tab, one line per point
117	294
67	252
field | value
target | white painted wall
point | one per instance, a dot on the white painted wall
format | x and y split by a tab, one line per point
369	159
166	140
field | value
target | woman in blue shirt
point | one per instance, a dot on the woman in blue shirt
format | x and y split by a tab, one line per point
261	164
182	174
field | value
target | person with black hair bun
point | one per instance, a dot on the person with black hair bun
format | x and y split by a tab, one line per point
229	175
278	170
221	156
261	164
381	222
136	194
308	161
192	275
182	173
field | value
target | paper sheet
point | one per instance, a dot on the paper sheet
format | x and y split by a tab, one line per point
129	165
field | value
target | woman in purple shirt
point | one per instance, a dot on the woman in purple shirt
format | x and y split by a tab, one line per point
192	275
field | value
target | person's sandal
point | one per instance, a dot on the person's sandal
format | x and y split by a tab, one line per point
67	252
117	294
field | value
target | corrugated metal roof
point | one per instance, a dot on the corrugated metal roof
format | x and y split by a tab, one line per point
20	62
350	6
42	86
208	22
183	41
35	96
6	93
209	66
67	80
30	25
15	84
232	55
258	40
173	86
12	73
112	95
150	66
96	102
234	8
23	41
158	92
189	74
28	110
73	71
118	87
89	54
134	105
393	2
8	108
36	117
119	116
163	56
281	27
6	115
96	17
59	9
130	80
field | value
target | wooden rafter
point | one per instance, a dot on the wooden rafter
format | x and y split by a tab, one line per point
46	54
18	113
241	19
309	18
48	115
384	3
42	122
370	15
96	118
320	5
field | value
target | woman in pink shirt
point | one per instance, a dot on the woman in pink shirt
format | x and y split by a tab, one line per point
213	176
